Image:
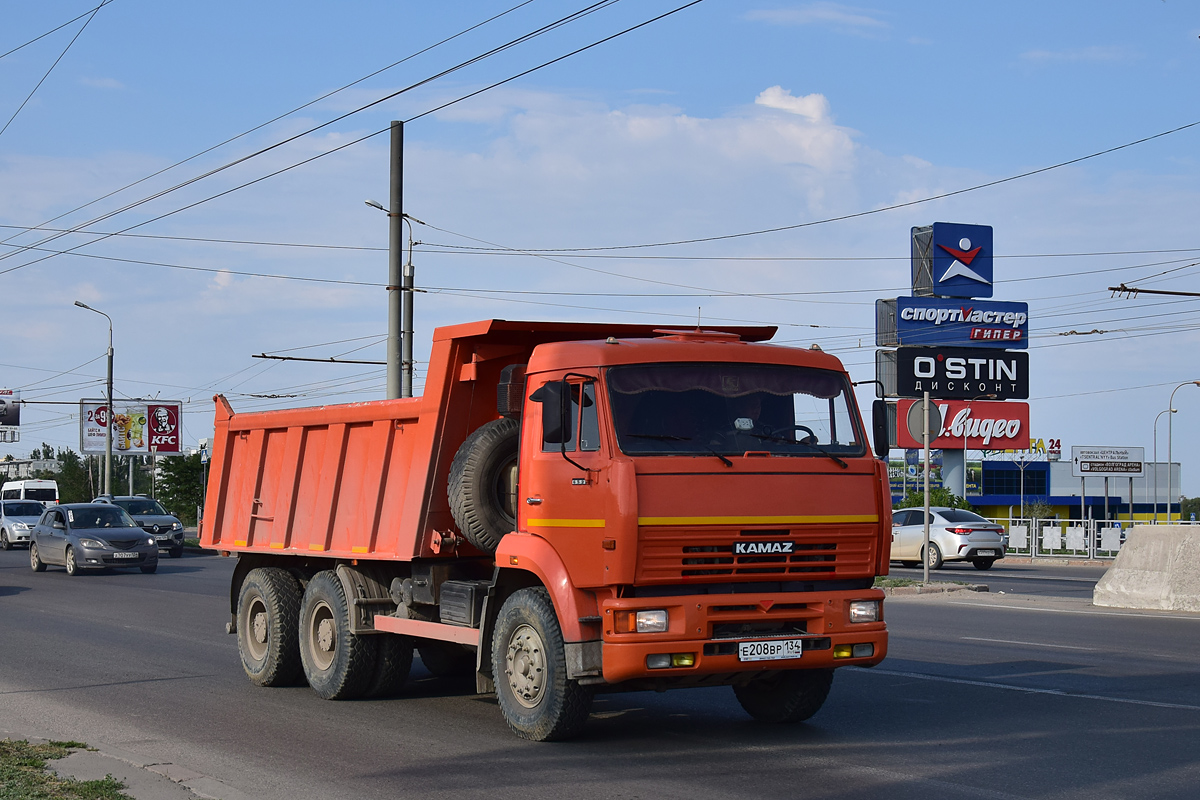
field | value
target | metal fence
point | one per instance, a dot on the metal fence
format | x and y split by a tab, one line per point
1061	538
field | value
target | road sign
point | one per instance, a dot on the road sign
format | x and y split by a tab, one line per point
914	417
1108	462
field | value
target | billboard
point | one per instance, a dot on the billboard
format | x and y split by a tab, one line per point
952	260
962	373
137	426
938	321
978	425
1108	462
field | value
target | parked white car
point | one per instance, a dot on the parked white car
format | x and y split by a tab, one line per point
17	518
955	534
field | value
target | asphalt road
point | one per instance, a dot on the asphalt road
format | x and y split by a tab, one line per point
1014	577
994	696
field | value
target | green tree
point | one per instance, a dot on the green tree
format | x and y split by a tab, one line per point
1189	506
940	496
180	488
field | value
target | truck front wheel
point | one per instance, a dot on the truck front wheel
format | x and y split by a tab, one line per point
791	696
267	619
338	664
538	700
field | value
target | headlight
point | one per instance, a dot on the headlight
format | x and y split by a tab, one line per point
177	526
864	611
149	540
91	543
20	526
654	621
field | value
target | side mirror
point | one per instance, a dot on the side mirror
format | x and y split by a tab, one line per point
880	429
556	416
58	525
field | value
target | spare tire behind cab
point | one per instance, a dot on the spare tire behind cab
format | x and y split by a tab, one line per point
483	483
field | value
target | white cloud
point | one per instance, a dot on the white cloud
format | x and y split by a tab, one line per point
813	106
102	83
833	14
1094	53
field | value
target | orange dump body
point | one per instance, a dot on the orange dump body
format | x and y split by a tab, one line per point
607	533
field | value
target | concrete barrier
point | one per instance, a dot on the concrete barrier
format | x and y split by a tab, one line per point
1158	567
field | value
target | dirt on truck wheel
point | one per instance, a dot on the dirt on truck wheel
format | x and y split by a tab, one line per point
338	664
538	700
483	483
268	616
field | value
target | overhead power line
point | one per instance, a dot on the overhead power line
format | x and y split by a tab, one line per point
273	119
55	30
78	33
1133	291
261	151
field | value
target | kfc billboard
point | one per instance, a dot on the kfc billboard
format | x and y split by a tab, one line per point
978	425
139	427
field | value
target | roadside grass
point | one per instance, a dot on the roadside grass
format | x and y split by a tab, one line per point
24	774
192	542
892	583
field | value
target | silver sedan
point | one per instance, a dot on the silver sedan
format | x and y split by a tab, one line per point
955	534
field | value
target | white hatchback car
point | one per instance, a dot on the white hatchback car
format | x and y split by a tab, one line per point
955	534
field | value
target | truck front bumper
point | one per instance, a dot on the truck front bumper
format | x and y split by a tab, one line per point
706	632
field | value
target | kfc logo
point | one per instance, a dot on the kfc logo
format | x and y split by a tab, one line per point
164	428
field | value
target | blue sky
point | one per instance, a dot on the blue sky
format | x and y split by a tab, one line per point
722	118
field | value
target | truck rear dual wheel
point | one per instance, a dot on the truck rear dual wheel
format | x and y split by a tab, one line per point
538	700
483	483
791	696
338	664
267	621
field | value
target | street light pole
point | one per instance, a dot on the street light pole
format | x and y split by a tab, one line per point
1170	419
108	415
1164	411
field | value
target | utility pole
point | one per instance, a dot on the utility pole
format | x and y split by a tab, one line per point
399	350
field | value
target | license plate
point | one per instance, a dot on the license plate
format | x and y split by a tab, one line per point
125	555
162	536
773	650
985	553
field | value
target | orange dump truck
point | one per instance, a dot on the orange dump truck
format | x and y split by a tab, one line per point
568	509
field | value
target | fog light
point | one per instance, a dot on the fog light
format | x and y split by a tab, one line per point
843	651
683	659
864	650
658	661
864	611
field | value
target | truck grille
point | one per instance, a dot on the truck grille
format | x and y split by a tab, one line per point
822	552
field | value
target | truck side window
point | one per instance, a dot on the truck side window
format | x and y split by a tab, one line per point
589	420
554	446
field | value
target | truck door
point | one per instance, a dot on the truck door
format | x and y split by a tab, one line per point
561	484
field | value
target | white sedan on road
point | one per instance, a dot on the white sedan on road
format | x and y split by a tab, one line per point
955	534
17	518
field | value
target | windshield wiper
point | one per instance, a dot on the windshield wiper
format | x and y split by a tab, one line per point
662	437
666	437
813	445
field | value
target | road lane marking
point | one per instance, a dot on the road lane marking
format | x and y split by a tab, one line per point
1030	644
1028	689
1072	611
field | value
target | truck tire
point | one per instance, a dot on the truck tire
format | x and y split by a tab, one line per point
538	700
483	479
790	696
337	664
268	619
393	660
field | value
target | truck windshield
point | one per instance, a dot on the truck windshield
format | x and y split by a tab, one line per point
729	409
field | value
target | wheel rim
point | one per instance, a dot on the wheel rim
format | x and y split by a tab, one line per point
525	666
322	636
931	555
71	565
33	556
257	629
